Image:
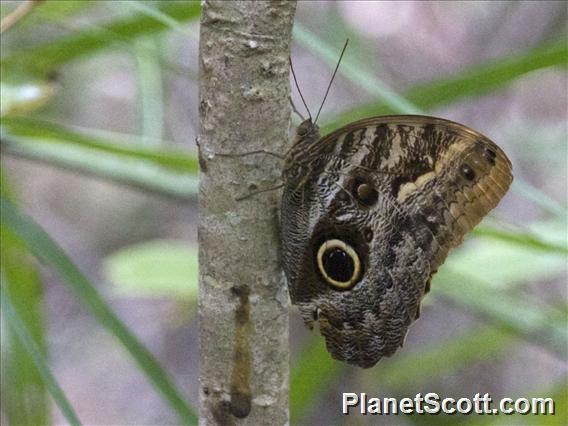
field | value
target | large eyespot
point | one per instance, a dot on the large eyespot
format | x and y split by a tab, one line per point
339	264
364	191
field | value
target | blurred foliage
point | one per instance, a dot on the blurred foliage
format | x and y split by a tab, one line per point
35	412
45	249
27	84
155	269
487	276
133	162
20	278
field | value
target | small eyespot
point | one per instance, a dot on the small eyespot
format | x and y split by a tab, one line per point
339	264
467	172
368	234
343	196
489	155
364	192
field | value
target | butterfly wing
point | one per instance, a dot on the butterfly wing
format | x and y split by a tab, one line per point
386	197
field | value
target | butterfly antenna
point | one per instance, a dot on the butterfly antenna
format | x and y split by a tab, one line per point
299	91
296	109
332	77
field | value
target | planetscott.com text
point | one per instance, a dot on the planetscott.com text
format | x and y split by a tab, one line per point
432	403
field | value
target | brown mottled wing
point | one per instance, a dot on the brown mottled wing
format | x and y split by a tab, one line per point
441	173
435	180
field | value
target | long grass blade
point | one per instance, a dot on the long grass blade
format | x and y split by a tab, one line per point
355	72
46	57
28	129
533	322
159	15
44	248
17	325
23	395
138	174
150	103
476	81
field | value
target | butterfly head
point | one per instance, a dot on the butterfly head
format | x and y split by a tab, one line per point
307	130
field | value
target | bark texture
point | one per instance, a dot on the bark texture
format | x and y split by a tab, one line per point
244	91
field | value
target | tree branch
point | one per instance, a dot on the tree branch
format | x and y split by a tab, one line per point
244	92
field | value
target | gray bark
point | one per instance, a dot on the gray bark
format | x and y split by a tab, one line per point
243	302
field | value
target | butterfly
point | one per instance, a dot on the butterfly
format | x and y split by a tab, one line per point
369	213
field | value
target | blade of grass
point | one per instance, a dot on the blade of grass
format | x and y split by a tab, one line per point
533	322
20	128
139	174
501	265
19	13
46	57
17	325
523	239
52	11
476	81
355	72
313	371
559	395
44	248
23	394
150	96
159	16
444	359
538	197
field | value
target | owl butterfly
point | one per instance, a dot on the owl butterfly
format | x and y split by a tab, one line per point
370	212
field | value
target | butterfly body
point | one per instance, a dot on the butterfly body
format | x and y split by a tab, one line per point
369	213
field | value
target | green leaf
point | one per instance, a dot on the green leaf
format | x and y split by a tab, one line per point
355	72
532	321
524	239
21	98
538	197
52	11
475	81
443	358
45	249
23	394
41	59
150	94
560	398
509	258
120	158
18	326
161	268
312	372
160	16
485	275
16	129
134	173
